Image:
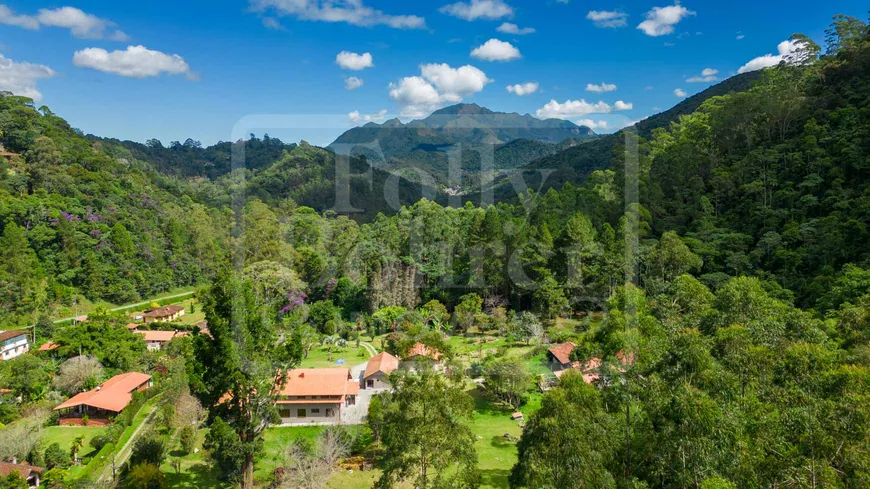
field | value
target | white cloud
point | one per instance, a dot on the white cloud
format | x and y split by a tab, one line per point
495	50
707	76
352	83
740	36
592	124
509	28
572	109
523	89
415	95
604	18
79	23
603	87
353	12
462	81
478	9
353	61
355	116
660	21
437	85
133	62
272	23
783	49
21	78
119	36
679	92
8	17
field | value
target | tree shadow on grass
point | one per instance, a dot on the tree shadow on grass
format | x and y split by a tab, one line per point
502	442
484	405
197	476
497	478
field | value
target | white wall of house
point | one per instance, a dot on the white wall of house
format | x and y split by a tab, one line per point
295	413
377	380
155	345
14	347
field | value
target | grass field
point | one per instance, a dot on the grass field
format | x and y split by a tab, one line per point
319	357
64	436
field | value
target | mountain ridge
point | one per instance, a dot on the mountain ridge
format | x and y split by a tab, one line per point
422	144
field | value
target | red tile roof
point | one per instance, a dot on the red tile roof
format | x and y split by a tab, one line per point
113	395
157	336
49	346
562	351
331	382
164	311
8	335
588	369
421	350
132	326
24	470
382	362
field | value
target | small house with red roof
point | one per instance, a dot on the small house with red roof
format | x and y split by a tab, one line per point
560	356
156	340
163	314
378	371
27	472
107	399
49	346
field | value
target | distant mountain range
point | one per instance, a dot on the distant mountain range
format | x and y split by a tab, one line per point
514	139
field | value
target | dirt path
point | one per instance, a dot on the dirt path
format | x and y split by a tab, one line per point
369	348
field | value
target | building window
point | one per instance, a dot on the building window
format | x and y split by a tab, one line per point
315	411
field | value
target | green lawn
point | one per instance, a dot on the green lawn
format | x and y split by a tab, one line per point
319	357
191	318
64	435
496	454
194	473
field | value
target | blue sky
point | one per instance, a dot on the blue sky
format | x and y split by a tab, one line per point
238	60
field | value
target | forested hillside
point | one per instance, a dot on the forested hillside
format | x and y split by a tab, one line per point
576	162
79	221
191	159
119	222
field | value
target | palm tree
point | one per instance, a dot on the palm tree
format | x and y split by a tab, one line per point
76	447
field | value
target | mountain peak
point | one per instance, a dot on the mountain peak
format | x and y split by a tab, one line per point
463	109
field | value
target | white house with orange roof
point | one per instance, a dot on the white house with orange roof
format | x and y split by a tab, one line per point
316	395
